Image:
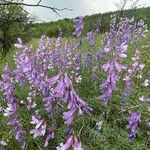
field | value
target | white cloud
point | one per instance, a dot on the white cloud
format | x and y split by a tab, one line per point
80	7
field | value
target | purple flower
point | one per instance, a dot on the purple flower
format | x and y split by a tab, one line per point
88	58
78	61
3	143
40	127
10	110
143	99
50	135
67	145
131	71
113	69
17	130
64	90
71	141
97	26
90	38
78	25
77	145
69	116
133	122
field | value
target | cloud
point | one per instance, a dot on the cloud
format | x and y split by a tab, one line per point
80	8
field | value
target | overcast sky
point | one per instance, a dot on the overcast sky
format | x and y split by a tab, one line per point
80	8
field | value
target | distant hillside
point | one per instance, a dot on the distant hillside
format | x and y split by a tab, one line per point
52	28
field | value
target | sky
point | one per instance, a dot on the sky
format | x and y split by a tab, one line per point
80	8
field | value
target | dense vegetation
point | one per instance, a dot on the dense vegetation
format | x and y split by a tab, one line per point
89	92
52	28
14	22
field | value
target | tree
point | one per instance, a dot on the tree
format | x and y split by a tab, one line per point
13	20
122	5
38	4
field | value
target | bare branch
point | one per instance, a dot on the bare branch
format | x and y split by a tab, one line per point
54	9
39	2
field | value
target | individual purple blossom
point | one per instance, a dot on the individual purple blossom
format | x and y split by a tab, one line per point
50	135
17	129
78	61
10	110
69	115
78	25
133	123
91	38
3	143
143	99
40	127
71	141
67	145
77	145
88	58
94	73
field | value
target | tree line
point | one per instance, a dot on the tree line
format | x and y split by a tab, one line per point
66	25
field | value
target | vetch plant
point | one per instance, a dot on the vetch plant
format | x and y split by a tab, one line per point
133	121
32	70
42	102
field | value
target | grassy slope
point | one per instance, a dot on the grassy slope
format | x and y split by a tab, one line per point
114	132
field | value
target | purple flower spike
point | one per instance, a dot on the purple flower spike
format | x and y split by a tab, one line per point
17	130
88	58
113	69
133	121
64	90
50	135
90	38
79	23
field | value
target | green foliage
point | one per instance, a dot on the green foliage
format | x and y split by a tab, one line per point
52	28
14	22
113	135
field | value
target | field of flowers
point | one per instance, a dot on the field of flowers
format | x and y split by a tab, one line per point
90	93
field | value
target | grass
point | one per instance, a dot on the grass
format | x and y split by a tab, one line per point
113	135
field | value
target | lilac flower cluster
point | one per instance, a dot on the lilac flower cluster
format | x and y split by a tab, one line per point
32	69
133	121
134	70
115	43
11	111
64	90
113	69
140	30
